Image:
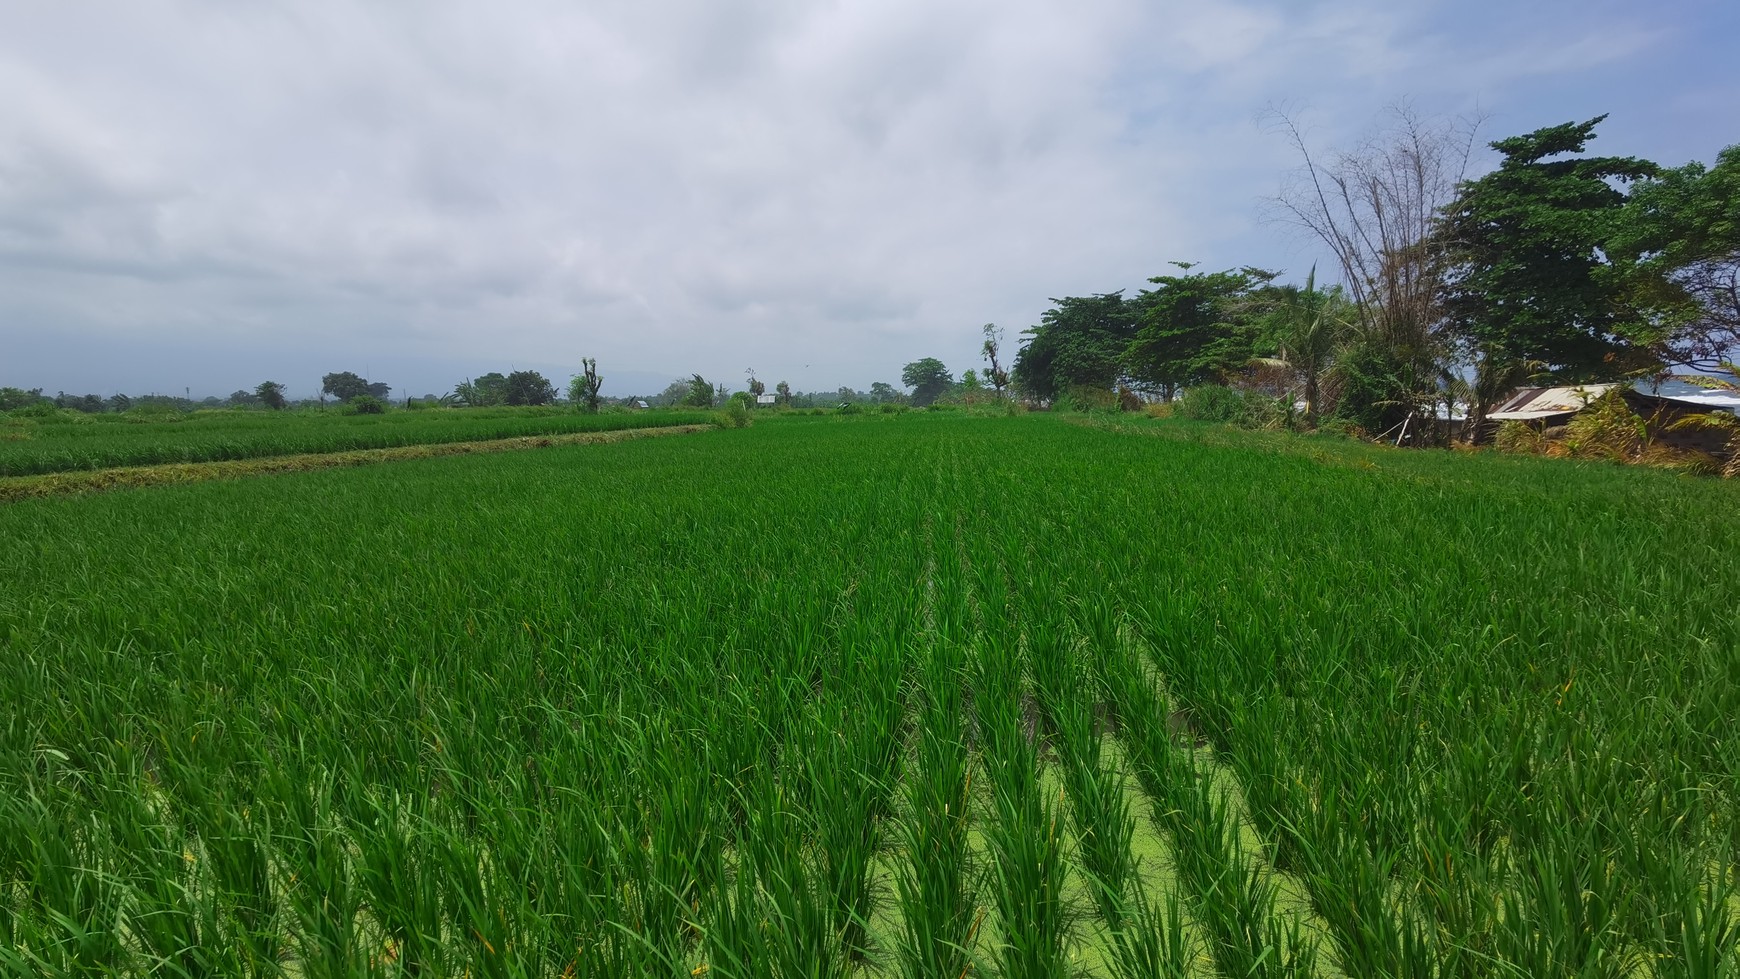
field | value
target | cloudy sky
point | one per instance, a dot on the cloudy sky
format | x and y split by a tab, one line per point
204	195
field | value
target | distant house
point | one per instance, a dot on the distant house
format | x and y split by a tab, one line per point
1549	408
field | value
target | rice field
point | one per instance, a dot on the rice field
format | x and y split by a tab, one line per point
909	696
73	443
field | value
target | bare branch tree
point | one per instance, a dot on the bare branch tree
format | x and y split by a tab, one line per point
1375	207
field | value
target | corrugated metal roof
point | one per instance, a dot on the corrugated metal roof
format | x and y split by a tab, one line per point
1532	403
1707	399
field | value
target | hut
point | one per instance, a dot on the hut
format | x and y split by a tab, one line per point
1547	409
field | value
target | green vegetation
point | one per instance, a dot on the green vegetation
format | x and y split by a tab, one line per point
64	442
132	477
1555	268
945	693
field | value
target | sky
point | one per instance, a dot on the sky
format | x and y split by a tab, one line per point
199	196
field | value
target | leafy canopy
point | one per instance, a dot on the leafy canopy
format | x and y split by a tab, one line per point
928	378
1532	273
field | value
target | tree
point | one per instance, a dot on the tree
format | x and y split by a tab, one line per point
488	390
271	394
240	398
782	391
700	393
993	345
970	386
1307	327
583	388
89	404
1529	275
1376	209
1730	384
1194	328
11	398
344	385
674	394
120	402
884	393
1080	340
1682	228
928	379
528	388
756	388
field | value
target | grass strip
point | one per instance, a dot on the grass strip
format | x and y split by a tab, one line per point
132	477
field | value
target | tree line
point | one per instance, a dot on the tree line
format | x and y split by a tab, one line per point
1555	267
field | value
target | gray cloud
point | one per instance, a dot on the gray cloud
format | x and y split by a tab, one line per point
222	192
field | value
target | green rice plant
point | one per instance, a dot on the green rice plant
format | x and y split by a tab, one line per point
238	853
107	441
777	917
64	910
1099	809
604	713
1150	941
851	767
1235	892
1023	840
172	914
1699	936
396	853
935	885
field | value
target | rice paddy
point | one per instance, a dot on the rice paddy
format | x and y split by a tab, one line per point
70	442
911	695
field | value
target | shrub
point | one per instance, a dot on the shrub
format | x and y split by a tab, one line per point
1607	429
1262	411
38	409
1340	428
1515	436
365	404
735	415
1212	403
1087	397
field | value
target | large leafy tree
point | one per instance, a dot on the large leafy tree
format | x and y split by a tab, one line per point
271	394
344	385
1080	340
1531	273
1683	230
489	389
700	393
528	388
1194	327
928	378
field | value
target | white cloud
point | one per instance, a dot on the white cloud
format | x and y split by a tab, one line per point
670	187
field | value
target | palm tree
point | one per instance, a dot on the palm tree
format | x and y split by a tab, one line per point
1309	327
1731	384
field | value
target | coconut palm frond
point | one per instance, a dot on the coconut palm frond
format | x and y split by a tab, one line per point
1704	422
